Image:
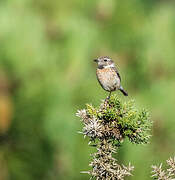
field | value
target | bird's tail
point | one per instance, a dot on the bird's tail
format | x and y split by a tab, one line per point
123	91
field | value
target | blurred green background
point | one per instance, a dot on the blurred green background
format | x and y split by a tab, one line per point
47	73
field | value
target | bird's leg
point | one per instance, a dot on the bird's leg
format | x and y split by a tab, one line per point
109	95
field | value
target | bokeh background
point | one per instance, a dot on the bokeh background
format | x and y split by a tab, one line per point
47	73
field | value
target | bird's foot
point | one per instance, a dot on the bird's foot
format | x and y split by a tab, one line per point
107	98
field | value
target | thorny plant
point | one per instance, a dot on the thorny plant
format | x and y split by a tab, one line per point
168	174
107	126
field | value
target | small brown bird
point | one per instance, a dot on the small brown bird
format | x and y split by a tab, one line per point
108	75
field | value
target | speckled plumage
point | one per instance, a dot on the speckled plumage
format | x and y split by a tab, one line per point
108	76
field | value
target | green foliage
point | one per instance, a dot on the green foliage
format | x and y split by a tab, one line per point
124	118
107	126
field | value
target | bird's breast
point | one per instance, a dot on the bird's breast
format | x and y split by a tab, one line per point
108	79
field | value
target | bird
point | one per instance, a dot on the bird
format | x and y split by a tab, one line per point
108	75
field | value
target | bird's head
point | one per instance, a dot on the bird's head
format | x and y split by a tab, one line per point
104	62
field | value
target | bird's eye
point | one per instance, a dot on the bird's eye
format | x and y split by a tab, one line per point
105	60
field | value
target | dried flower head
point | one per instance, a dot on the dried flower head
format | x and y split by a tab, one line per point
167	174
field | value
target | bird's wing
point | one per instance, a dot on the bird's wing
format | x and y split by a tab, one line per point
115	69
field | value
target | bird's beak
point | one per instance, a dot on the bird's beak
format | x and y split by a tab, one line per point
96	60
